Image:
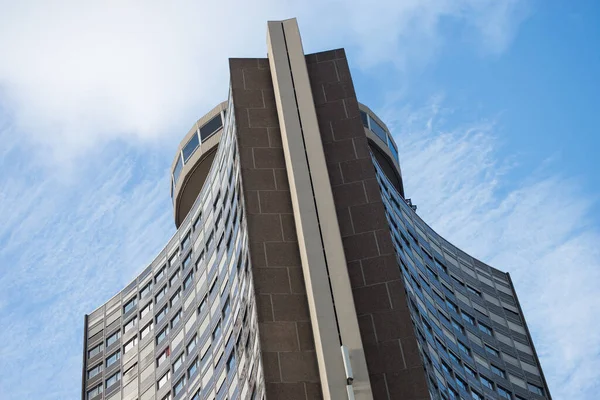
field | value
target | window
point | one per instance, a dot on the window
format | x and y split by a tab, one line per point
458	281
163	380
485	329
94	392
173	280
378	130
175	297
458	326
364	118
162	358
177	169
176	319
452	306
193	368
188	280
231	362
129	306
464	348
226	308
129	345
94	371
492	351
476	396
470	372
486	382
446	368
190	147
130	324
535	389
162	335
467	318
146	310
146	290
162	314
210	127
217	332
178	363
113	338
192	344
95	350
187	260
178	388
114	378
146	330
503	393
461	384
454	357
452	393
161	294
160	274
113	358
474	291
202	305
498	371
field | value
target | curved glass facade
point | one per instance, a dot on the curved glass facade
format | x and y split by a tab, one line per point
186	328
469	326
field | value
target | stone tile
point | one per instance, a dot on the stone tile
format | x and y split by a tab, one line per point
368	217
359	246
297	282
352	110
343	70
275	137
331	111
236	76
264	228
335	174
257	254
355	274
254	179
305	336
264	307
357	170
254	137
393	324
361	147
326	55
338	90
290	307
286	391
379	386
400	385
249	99
367	329
271	280
396	289
278	202
411	352
338	151
372	189
271	367
278	336
381	269
326	131
419	381
322	72
289	228
313	391
347	128
269	98
255	78
371	299
263	118
269	158
252	204
283	254
299	367
281	180
384	241
345	222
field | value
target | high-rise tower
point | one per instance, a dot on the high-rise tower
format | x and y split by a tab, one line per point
299	270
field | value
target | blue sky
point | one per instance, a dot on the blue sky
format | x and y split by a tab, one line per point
493	106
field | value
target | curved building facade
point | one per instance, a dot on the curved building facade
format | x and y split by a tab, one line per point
299	270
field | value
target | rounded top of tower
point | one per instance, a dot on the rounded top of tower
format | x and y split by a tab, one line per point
193	160
383	146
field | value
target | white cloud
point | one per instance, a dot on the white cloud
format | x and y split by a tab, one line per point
77	74
537	228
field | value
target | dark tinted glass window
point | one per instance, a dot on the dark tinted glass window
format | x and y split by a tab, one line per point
190	147
210	127
378	130
363	117
177	170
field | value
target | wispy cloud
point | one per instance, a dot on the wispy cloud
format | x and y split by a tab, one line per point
535	227
73	74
